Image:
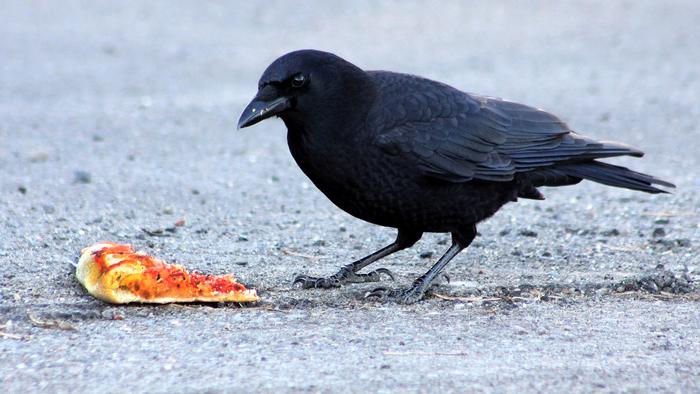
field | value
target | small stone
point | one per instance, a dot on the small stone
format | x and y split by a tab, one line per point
81	176
611	233
602	291
658	232
38	157
168	210
22	189
650	286
683	242
96	220
426	255
108	49
527	233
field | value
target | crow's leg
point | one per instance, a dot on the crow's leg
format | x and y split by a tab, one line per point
460	240
348	273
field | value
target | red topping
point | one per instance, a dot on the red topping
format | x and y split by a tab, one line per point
160	279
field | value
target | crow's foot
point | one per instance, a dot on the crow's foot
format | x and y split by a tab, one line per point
345	275
410	295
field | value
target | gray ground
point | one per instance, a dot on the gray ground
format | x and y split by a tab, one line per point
120	116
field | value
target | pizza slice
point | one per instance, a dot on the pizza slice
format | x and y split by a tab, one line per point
116	273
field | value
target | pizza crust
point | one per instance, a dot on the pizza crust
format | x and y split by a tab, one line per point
117	274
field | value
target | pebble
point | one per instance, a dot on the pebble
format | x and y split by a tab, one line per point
527	233
81	176
683	242
38	157
611	233
658	232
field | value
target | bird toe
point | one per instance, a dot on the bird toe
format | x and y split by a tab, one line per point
399	296
311	282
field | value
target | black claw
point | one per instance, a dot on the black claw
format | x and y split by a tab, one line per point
386	272
400	296
345	275
306	281
379	292
312	282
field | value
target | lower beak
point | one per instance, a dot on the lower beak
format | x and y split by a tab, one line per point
259	110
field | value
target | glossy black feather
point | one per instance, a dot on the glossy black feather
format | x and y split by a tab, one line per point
404	151
418	155
457	137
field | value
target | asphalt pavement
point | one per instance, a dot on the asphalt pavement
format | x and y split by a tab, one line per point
117	119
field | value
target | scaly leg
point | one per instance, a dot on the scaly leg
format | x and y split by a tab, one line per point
348	273
460	240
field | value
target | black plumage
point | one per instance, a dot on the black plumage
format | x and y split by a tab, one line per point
407	152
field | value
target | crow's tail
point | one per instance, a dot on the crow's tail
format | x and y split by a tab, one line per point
612	175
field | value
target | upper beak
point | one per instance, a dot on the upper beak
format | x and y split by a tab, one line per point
259	110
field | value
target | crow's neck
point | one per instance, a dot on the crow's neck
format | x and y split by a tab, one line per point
332	139
340	118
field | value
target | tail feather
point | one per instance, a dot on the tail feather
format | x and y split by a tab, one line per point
613	175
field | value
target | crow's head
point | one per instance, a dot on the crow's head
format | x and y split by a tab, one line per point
304	86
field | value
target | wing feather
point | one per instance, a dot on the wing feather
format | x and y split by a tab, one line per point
457	137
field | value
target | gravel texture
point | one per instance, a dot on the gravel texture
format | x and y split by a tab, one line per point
117	121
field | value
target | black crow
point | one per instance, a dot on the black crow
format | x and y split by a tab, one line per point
407	152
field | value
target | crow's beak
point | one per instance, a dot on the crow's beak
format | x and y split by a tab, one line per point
259	110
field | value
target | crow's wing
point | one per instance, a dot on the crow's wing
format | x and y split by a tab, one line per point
457	137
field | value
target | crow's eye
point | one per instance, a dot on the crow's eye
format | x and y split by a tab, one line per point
298	80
